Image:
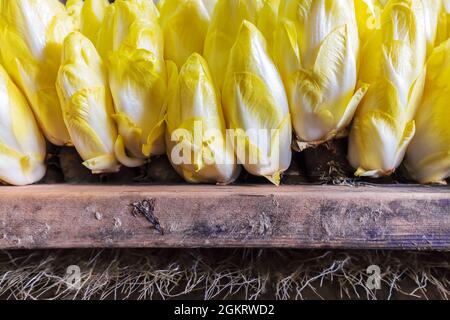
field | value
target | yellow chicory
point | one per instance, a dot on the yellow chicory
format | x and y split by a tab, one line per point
87	104
22	145
196	132
256	107
428	156
32	33
384	124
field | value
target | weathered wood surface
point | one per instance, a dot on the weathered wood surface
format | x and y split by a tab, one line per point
64	216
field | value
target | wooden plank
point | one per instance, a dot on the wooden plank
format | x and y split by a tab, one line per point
66	216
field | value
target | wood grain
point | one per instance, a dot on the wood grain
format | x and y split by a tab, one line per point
65	216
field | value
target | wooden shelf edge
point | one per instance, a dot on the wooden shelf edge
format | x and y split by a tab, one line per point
378	217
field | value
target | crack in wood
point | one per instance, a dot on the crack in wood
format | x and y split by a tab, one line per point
146	209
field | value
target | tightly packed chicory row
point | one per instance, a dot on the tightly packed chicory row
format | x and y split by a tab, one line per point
222	84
